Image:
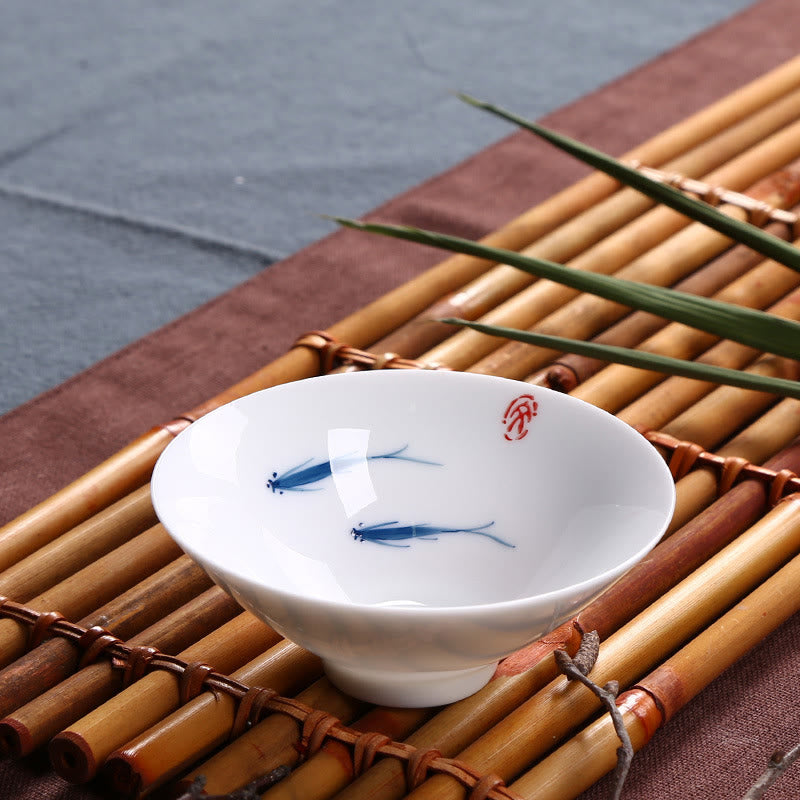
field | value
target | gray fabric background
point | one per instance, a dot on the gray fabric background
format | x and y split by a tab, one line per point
155	154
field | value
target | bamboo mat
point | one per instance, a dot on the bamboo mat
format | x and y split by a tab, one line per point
712	746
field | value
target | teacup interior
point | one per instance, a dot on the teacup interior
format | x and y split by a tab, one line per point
414	489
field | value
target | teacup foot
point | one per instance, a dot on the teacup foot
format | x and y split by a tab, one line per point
408	689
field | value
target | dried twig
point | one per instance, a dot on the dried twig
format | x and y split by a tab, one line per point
779	762
578	669
252	791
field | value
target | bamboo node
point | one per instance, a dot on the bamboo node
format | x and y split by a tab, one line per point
365	749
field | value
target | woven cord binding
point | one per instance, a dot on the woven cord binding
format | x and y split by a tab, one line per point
255	702
686	456
333	353
758	212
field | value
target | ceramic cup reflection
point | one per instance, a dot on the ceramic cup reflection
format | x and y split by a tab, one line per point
412	527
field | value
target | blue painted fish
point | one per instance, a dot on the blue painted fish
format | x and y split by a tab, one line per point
387	533
299	478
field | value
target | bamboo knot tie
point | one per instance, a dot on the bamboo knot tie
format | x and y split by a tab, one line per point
333	353
758	212
251	706
685	456
365	749
94	642
192	680
485	786
41	627
417	766
316	727
779	484
136	664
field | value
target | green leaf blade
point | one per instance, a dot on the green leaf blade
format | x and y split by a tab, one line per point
640	359
762	242
757	329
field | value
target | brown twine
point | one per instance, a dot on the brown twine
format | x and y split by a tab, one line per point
41	627
94	643
333	353
316	726
686	456
250	709
192	679
137	664
417	766
365	750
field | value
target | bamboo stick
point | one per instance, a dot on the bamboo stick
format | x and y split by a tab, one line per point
48	563
93	585
103	485
530	730
126	615
78	752
331	769
572	370
590	754
32	725
583	231
642	248
130	467
270	743
203	724
519	676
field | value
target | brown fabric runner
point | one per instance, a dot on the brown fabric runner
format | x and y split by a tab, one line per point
715	747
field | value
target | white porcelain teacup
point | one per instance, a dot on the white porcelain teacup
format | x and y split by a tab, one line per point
412	527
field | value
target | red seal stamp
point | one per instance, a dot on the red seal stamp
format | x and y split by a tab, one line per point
518	417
